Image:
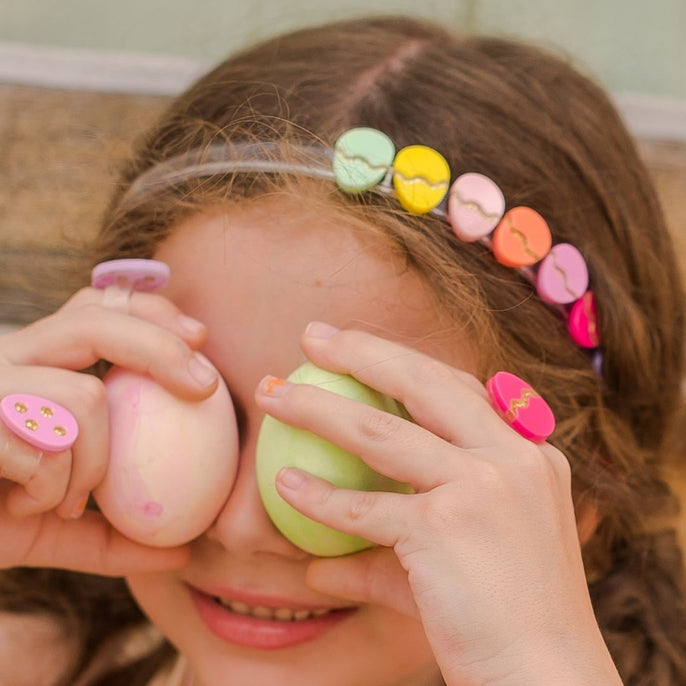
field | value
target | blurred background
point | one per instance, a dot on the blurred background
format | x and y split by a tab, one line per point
79	79
632	45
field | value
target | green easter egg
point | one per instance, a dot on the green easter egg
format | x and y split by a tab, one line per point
280	445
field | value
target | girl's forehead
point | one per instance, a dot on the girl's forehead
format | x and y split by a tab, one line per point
270	268
283	241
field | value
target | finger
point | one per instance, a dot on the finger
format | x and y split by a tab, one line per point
447	401
78	338
373	576
18	460
388	443
90	452
378	517
84	396
90	456
91	545
45	490
151	307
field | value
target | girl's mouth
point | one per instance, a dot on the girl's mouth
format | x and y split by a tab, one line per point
264	627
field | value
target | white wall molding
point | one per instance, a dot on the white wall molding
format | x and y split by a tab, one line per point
652	116
80	69
647	116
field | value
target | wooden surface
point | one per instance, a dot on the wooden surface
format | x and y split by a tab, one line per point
59	153
60	150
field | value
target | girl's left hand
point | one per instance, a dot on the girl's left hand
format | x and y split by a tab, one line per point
487	550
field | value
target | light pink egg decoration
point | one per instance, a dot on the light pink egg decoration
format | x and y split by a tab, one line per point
172	462
476	206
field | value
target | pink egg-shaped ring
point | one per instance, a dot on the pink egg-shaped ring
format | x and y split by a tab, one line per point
583	322
475	206
562	275
42	423
130	274
522	238
521	406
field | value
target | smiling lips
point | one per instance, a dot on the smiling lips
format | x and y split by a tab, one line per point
261	627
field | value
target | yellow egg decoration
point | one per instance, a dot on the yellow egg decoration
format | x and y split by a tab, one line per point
421	177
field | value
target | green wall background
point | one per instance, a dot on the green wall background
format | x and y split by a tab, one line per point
631	46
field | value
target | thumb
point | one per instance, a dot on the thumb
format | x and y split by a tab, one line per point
373	576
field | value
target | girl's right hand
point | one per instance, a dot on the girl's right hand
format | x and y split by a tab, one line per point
485	551
42	521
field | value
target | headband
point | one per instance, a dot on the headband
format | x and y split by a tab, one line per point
419	178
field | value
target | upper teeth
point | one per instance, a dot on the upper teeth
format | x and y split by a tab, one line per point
283	614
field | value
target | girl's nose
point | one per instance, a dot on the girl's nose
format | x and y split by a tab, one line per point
243	527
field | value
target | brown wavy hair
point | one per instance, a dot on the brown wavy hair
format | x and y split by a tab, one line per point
552	140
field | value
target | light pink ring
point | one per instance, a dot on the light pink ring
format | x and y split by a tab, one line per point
31	426
119	278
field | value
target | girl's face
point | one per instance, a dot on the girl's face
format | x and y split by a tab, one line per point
256	276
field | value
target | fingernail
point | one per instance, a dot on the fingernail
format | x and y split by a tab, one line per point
292	479
79	509
320	330
202	370
273	386
190	325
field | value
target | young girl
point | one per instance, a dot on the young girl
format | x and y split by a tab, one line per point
513	561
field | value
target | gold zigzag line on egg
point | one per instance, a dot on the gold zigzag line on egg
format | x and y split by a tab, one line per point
564	275
413	180
592	328
520	403
359	159
471	205
522	237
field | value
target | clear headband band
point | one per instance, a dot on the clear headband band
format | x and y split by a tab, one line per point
228	158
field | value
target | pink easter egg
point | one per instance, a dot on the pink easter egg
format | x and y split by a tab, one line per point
172	461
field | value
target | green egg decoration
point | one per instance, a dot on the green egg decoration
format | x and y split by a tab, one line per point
280	445
362	157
